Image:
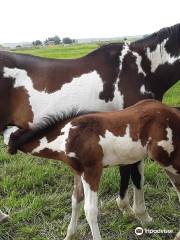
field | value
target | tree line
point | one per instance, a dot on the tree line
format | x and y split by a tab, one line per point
54	40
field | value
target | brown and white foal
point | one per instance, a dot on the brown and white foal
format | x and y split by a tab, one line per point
90	142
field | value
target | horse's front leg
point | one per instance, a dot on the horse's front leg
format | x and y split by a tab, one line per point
77	197
139	207
90	180
3	216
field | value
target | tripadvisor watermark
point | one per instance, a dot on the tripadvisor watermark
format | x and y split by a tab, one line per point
140	231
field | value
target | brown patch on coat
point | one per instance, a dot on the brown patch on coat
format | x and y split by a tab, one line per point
21	111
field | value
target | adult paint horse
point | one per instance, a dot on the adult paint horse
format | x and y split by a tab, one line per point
110	78
93	141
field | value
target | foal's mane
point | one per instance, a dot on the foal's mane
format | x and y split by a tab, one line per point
51	121
159	36
48	123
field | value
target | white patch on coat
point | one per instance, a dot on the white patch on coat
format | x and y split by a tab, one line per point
167	145
82	92
7	133
71	154
124	52
58	144
138	63
144	91
160	56
91	209
121	150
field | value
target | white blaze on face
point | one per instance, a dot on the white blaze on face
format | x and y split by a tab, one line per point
58	144
7	133
167	145
82	92
160	56
121	150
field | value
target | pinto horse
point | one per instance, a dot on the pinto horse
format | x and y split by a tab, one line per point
112	77
106	139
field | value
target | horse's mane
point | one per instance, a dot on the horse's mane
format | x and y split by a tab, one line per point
159	36
48	123
51	120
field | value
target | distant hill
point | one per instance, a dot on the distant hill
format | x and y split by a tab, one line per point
114	39
14	45
81	40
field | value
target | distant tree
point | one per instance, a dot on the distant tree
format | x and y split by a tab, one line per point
56	40
68	40
18	46
37	43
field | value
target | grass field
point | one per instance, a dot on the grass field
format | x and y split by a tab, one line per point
37	192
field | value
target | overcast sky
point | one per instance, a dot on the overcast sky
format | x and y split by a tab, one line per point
28	20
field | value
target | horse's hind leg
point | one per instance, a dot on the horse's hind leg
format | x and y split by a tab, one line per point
123	198
77	197
3	216
137	176
175	180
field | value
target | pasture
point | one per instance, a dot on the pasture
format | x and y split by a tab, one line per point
37	192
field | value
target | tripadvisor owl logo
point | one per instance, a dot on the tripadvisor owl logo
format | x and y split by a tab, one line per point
139	231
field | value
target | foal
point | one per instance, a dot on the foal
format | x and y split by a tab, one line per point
90	142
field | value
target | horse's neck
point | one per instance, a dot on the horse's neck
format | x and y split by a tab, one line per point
160	56
164	66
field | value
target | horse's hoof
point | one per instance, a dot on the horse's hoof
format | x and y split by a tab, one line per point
3	217
126	209
177	236
144	218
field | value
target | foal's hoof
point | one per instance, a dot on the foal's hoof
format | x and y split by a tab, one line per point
144	218
3	217
177	236
124	208
68	238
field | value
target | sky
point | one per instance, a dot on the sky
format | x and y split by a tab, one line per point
28	20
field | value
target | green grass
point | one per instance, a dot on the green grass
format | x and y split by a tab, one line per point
59	51
37	192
